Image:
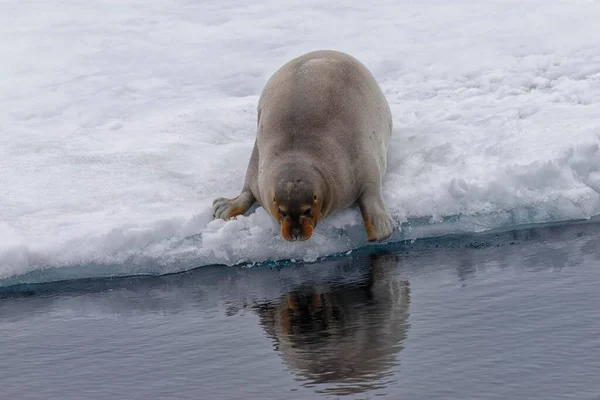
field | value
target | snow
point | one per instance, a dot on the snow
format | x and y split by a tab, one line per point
120	121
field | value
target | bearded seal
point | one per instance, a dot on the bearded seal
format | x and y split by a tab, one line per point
323	131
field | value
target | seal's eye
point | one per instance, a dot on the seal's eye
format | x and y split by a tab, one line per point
315	197
307	212
281	213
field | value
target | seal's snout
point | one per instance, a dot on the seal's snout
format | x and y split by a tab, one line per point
297	221
296	233
293	231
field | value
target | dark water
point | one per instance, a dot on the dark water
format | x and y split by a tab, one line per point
513	316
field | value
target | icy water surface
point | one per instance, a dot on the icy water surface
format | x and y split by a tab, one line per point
506	316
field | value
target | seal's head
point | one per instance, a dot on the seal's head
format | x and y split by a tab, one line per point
296	203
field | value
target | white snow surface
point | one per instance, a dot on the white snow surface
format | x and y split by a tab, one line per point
120	121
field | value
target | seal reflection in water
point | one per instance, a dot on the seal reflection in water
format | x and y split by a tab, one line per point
323	133
343	336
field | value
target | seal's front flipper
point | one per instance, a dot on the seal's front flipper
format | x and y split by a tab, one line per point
228	208
378	222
